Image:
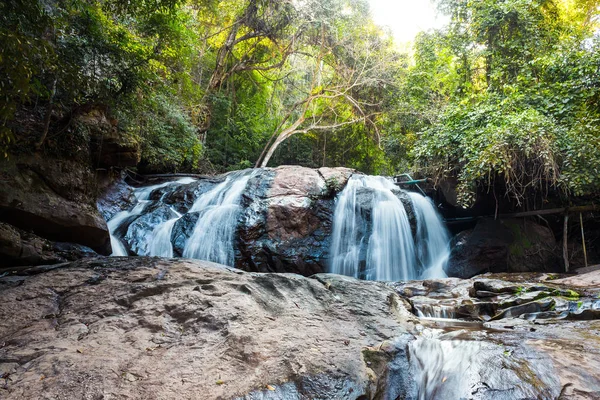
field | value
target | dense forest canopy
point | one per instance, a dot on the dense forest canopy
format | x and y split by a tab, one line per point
506	96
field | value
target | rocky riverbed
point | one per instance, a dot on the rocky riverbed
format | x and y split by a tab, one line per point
149	328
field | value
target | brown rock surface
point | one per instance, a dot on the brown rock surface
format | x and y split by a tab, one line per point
149	328
145	328
288	219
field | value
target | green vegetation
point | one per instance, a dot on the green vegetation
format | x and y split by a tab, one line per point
506	98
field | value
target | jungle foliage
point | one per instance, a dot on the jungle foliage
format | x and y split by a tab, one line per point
508	96
505	97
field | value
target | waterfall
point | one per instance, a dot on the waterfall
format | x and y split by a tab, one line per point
115	222
219	208
372	236
142	195
160	245
432	240
442	364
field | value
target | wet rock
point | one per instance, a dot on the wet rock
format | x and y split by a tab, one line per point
526	308
115	198
140	232
182	230
503	246
182	197
287	223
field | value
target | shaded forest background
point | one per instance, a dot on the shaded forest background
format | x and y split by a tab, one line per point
506	96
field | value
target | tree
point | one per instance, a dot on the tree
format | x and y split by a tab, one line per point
516	86
334	80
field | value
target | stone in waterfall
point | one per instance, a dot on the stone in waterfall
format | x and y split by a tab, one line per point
288	219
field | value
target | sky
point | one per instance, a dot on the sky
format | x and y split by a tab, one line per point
406	18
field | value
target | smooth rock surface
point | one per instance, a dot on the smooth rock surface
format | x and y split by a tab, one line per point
157	329
149	328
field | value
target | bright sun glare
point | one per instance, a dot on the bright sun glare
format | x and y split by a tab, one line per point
406	18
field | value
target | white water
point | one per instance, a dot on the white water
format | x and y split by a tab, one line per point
213	235
442	362
118	247
391	253
435	311
142	195
432	240
160	245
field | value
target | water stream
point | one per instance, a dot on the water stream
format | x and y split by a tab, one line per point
142	196
373	239
213	235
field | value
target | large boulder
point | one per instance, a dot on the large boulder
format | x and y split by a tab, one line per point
510	245
149	328
54	199
288	218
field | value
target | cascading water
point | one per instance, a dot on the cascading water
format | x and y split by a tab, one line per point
142	195
372	236
213	235
160	245
432	239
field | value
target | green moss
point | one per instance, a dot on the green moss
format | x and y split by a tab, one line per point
521	241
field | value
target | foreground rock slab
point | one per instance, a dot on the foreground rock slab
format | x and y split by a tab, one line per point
150	328
145	328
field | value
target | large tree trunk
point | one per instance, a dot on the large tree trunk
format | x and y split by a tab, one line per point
270	149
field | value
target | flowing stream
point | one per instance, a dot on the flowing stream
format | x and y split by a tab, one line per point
372	236
213	233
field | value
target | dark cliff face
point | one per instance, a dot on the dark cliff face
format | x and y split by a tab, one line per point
48	201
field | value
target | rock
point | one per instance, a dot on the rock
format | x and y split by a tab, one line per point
527	308
142	327
286	226
109	147
503	246
52	198
336	178
18	248
150	328
182	231
140	231
182	197
115	198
